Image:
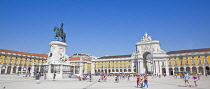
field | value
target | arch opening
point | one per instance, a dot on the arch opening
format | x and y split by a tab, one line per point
147	62
207	70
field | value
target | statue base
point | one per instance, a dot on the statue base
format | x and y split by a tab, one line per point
56	61
61	71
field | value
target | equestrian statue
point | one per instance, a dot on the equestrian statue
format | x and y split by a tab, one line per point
60	33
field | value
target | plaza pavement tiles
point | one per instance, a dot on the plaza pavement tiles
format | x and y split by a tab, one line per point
169	82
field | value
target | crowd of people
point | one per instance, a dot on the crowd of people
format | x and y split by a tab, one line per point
87	77
37	75
141	80
186	77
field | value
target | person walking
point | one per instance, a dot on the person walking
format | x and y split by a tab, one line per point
79	78
116	79
198	75
186	79
37	78
129	77
29	75
45	76
105	78
195	80
206	75
146	81
54	76
99	78
90	78
139	82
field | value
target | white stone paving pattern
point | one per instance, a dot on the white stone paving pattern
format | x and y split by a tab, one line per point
169	82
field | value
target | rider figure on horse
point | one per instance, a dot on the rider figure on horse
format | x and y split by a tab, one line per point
60	33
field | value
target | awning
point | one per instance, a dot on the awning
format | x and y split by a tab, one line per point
122	72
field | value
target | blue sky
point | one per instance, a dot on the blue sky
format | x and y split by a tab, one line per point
104	27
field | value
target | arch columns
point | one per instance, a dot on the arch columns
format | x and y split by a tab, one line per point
93	68
191	70
197	69
167	68
6	68
132	69
173	70
32	70
123	70
11	71
27	71
204	72
17	69
158	68
0	68
141	67
22	69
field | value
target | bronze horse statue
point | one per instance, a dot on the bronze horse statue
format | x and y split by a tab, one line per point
60	33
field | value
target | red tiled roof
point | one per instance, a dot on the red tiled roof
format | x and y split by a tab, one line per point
77	58
118	56
189	51
24	53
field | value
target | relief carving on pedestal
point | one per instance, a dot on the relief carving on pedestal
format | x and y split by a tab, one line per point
62	57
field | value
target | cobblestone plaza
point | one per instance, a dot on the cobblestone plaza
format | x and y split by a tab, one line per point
168	82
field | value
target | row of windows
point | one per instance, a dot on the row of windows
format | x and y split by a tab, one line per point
191	57
113	64
86	66
195	60
20	61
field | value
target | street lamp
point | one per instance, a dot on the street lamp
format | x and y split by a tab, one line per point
35	70
136	63
0	64
42	68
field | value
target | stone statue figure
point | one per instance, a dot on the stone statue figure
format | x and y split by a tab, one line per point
146	38
60	33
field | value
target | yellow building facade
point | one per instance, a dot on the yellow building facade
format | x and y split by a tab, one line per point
121	64
190	61
177	62
78	62
14	62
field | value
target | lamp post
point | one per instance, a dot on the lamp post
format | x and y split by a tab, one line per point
180	58
42	68
34	67
0	65
74	69
136	63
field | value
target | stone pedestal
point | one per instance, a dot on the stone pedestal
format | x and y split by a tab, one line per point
57	54
56	59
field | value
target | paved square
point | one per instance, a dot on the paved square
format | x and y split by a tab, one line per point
169	82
